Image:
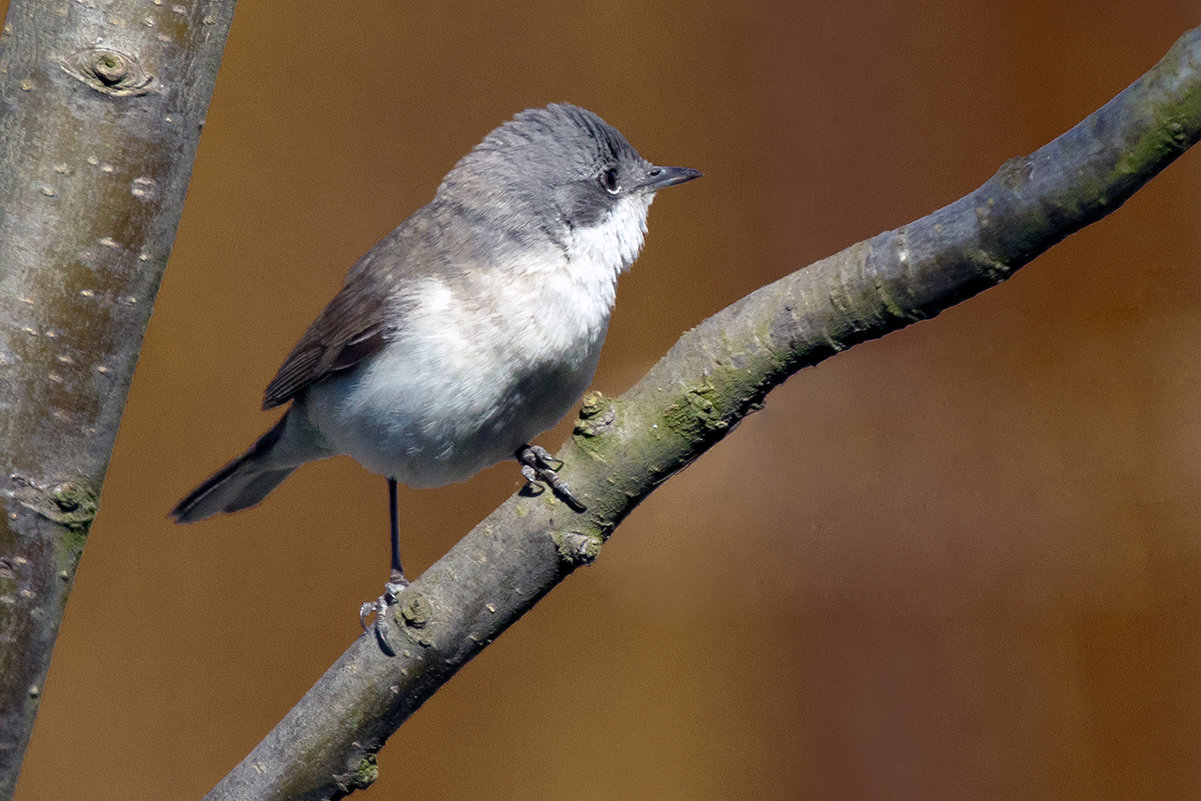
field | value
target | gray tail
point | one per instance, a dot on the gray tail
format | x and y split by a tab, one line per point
240	484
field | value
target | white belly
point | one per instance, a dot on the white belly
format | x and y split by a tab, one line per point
461	387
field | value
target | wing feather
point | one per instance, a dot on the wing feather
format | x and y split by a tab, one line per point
352	327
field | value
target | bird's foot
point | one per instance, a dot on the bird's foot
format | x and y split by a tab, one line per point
379	607
537	465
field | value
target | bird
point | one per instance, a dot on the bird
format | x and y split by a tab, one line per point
471	328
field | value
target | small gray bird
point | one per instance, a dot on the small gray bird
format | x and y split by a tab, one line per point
470	329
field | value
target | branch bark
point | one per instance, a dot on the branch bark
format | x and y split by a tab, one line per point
715	375
101	106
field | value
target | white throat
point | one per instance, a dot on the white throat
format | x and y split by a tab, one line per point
613	245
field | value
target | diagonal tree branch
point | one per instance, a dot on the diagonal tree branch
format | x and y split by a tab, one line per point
714	376
101	105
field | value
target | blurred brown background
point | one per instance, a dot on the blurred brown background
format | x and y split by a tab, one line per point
961	562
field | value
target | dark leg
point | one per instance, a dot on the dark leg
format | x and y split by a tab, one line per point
398	573
536	466
396	582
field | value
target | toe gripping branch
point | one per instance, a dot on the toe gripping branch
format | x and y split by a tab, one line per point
537	465
380	608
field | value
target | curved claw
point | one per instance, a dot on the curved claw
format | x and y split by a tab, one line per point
381	636
365	612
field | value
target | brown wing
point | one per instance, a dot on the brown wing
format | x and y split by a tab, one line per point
349	329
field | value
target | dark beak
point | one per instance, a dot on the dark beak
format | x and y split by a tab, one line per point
658	177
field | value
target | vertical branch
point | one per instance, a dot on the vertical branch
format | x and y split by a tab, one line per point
101	106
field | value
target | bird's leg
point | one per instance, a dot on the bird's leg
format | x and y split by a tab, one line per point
538	465
396	582
398	573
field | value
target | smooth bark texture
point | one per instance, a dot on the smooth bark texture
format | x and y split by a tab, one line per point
101	106
715	375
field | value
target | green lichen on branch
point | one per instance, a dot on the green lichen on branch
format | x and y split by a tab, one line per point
362	777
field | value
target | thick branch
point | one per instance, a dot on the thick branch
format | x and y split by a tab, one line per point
715	375
101	106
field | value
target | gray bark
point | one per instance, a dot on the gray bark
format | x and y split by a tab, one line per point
714	376
101	106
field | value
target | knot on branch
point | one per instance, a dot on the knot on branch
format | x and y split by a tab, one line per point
416	611
109	71
596	415
702	410
575	548
71	503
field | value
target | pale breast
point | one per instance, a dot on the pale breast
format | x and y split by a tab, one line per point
478	369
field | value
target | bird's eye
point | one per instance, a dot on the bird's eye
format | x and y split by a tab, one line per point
608	179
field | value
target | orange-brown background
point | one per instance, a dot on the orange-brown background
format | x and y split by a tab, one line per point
962	562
